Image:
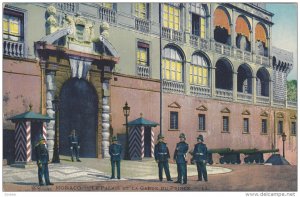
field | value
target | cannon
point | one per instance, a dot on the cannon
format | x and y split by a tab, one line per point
257	155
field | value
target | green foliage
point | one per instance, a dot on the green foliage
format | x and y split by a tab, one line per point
292	90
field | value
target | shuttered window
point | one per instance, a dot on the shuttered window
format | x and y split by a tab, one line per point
173	120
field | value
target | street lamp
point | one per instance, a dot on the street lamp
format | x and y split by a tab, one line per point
126	111
55	104
283	140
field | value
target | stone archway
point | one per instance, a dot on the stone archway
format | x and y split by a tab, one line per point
79	111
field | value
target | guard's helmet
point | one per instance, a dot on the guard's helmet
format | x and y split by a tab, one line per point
160	136
200	137
114	138
182	135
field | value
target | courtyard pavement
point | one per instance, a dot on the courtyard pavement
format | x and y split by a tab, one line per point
93	170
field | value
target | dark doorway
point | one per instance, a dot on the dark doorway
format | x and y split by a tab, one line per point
223	75
36	133
147	142
79	111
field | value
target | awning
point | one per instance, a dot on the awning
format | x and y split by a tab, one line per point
142	122
221	19
29	115
241	27
260	34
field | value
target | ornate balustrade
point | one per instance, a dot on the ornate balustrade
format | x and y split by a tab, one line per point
224	94
262	60
143	71
142	25
13	49
244	97
200	91
173	35
222	49
107	15
173	86
263	100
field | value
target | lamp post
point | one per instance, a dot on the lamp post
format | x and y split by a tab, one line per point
283	140
126	111
55	104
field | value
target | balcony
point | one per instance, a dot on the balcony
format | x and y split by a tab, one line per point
142	25
279	103
173	86
107	15
173	35
244	97
243	55
69	7
223	49
143	71
197	42
262	60
200	91
13	49
224	94
264	100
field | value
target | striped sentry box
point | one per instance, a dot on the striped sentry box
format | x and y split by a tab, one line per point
152	142
28	141
20	145
45	131
142	142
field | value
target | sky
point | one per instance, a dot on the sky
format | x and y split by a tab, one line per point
285	30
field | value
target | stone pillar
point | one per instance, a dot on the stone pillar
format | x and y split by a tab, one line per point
213	81
211	32
187	78
234	83
271	90
105	118
50	94
233	33
254	89
253	49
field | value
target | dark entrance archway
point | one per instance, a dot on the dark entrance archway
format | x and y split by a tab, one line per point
147	142
79	111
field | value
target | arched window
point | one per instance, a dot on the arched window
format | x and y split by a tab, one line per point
244	79
224	75
262	82
222	26
243	34
198	20
172	64
261	40
199	70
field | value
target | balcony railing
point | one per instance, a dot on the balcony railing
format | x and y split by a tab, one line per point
200	91
280	103
224	94
69	7
13	49
196	41
107	15
243	55
263	100
222	49
244	97
143	71
142	25
172	34
173	86
262	60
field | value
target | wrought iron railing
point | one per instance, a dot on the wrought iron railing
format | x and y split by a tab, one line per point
13	49
143	71
107	15
142	25
173	86
173	35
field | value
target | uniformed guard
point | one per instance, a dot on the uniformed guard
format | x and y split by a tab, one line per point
42	159
115	151
162	156
74	145
179	156
200	157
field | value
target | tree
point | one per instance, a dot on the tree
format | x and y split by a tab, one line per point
292	90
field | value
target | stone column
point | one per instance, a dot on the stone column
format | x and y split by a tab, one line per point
213	81
187	78
50	94
105	118
254	89
253	49
233	33
211	32
271	96
234	83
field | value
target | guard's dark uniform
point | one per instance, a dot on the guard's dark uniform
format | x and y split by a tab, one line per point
161	154
42	158
115	151
74	146
200	157
179	156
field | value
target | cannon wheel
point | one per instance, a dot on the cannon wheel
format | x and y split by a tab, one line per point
221	160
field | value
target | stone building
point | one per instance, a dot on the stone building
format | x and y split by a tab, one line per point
210	67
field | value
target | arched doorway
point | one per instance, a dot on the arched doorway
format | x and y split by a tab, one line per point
224	75
79	111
